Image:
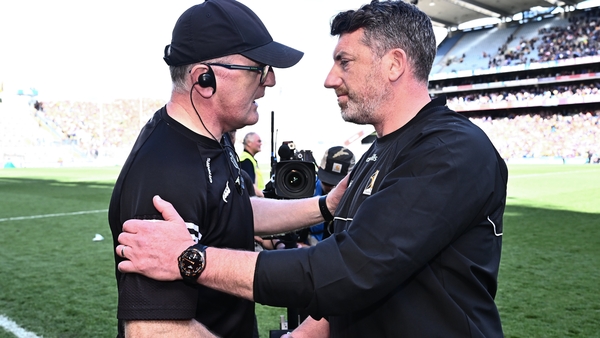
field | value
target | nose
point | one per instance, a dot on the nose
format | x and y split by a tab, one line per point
332	80
270	81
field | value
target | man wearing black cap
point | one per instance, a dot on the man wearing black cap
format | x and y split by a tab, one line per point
418	232
221	60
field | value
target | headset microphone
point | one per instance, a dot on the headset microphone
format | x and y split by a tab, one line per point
208	79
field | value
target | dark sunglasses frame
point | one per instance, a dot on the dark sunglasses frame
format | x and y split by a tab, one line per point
263	70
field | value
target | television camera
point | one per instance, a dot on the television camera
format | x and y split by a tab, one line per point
294	176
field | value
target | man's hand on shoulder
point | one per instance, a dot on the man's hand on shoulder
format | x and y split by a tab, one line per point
151	247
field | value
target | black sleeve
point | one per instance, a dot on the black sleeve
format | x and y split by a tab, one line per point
147	173
425	202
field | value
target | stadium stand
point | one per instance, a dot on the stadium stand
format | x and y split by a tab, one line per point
99	129
537	97
24	141
470	50
443	50
47	134
533	86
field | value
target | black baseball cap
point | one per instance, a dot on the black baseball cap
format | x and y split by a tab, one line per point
335	165
217	28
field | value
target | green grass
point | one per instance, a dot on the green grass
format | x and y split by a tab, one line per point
548	283
57	282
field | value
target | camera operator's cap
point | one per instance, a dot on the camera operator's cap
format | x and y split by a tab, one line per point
335	165
217	28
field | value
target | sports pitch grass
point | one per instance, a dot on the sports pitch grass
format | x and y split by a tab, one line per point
57	282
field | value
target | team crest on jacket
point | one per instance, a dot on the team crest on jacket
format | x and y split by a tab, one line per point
369	188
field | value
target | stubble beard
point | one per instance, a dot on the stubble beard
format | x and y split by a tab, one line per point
361	109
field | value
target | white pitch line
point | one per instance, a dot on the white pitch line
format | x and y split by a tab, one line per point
5	322
20	218
551	173
15	329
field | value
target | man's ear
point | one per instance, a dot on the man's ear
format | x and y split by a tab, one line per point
203	80
398	62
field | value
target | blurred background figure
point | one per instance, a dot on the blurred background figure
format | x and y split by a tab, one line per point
252	144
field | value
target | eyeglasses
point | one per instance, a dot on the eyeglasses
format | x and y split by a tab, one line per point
263	70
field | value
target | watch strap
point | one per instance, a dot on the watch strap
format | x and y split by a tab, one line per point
324	210
192	279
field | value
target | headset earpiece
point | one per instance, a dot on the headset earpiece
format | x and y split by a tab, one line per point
208	79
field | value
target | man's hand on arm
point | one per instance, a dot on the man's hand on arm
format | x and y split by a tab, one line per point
152	248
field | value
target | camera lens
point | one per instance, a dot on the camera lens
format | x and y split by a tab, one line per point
295	180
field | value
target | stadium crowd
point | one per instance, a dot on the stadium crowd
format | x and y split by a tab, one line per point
569	134
580	38
538	96
97	125
565	136
574	132
549	74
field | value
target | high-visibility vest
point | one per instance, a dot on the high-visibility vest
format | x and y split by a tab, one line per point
258	179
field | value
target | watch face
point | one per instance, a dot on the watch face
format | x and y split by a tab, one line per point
191	263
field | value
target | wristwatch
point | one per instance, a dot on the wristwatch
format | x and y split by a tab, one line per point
192	262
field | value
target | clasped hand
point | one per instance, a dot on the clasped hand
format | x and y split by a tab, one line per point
151	247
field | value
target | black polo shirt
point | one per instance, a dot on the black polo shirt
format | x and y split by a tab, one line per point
197	175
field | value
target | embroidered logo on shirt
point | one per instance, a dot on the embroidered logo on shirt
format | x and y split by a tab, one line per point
372	158
226	192
371	183
209	171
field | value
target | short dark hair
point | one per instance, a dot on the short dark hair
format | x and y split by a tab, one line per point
393	24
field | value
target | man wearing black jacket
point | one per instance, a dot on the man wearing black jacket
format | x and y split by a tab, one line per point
418	232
